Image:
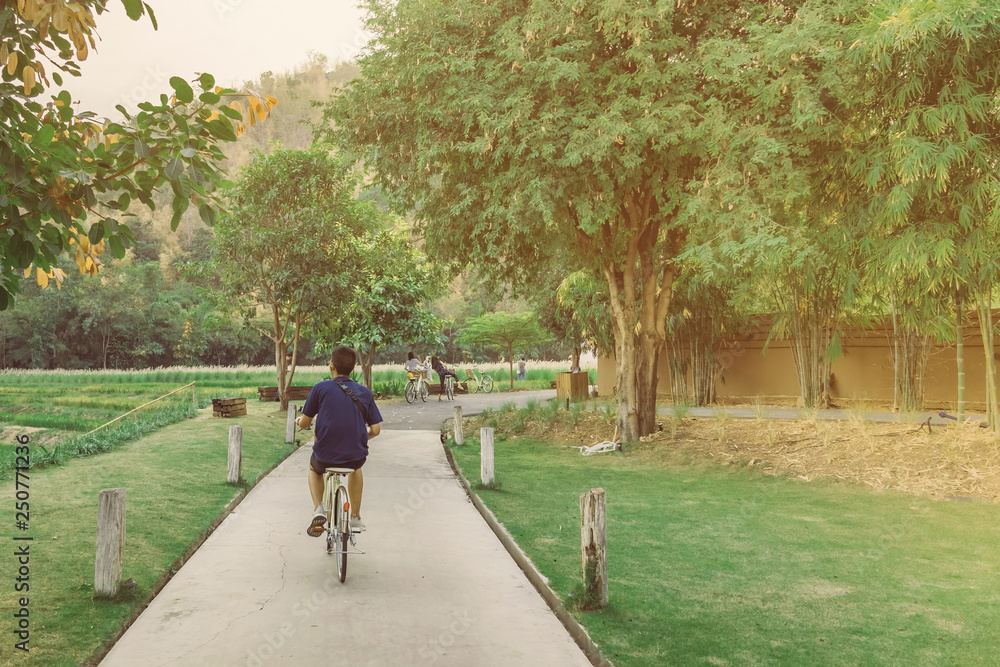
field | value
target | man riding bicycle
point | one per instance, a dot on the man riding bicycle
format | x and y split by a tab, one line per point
348	419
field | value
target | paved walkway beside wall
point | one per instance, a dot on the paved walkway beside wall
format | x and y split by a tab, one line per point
828	415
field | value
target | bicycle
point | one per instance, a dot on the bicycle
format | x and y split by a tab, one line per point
482	383
449	387
416	386
337	505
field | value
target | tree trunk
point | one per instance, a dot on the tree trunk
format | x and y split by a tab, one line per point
367	361
895	357
574	361
646	379
960	359
628	399
510	357
986	329
280	349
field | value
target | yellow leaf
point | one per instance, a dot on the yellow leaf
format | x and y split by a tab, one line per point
271	102
41	278
12	63
256	106
60	20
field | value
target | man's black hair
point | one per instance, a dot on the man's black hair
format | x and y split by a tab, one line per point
344	359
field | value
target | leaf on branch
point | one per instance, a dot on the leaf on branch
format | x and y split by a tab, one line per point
182	90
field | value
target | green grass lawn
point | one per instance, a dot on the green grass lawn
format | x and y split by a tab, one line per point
729	567
175	485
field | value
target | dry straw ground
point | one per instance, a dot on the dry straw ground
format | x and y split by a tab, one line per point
949	462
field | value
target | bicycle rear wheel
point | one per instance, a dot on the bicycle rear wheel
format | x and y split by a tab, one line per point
487	383
340	535
410	392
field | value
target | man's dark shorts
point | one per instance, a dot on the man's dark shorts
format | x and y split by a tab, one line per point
319	467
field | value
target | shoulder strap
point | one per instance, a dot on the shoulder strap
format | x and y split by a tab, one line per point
357	401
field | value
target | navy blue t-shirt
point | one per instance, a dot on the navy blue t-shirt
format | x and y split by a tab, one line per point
341	432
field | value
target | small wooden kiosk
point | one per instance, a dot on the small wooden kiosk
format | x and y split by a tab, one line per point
574	386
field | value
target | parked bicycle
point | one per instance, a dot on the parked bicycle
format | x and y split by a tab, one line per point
481	382
416	386
449	387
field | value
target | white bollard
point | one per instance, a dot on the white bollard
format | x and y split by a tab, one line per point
110	542
235	454
593	540
459	436
290	427
486	472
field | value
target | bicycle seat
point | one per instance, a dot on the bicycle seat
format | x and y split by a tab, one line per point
339	471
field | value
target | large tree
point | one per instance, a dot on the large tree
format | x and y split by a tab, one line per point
69	176
288	250
504	331
514	130
390	305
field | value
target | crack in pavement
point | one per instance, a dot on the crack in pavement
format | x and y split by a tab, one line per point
233	621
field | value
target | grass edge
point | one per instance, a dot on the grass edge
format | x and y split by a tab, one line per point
242	491
575	629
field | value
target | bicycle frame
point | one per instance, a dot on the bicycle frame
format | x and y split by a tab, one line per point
337	517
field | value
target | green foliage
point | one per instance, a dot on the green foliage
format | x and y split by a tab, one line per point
132	317
64	168
586	145
504	331
288	246
390	298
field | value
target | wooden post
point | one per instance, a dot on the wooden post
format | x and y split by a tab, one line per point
486	455
459	436
194	397
290	428
235	453
593	539
110	542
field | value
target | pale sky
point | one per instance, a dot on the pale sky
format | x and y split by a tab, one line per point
235	40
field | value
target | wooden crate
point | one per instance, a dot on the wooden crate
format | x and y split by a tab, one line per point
229	407
574	386
295	393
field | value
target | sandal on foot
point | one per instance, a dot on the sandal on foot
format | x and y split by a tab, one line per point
317	526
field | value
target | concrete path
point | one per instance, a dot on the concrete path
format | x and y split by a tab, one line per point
436	587
429	416
827	415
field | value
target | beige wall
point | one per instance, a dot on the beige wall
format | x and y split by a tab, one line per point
864	371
